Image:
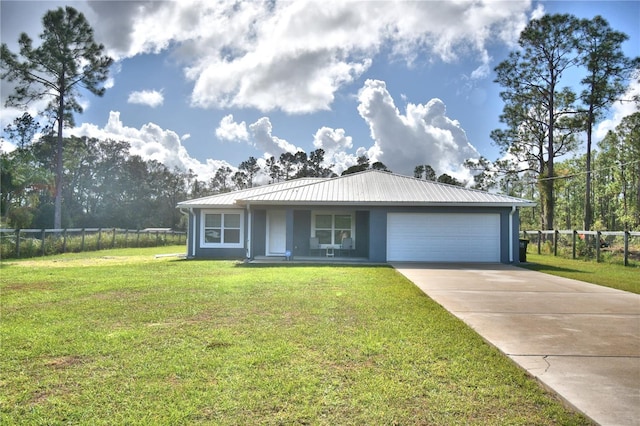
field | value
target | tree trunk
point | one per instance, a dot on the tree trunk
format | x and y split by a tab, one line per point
57	215
637	180
588	211
548	183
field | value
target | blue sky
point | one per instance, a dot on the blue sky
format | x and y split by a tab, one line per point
199	85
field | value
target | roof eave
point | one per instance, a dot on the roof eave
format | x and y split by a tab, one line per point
206	206
387	203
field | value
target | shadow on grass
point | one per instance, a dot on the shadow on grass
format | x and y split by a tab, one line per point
548	268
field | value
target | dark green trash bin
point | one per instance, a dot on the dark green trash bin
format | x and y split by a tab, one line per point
523	250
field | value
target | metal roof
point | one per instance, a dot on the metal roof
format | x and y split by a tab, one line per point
372	187
230	199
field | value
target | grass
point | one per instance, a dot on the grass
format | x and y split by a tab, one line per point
121	337
612	275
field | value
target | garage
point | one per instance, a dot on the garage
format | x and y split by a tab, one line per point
443	237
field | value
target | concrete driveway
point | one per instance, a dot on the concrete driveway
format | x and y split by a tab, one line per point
580	340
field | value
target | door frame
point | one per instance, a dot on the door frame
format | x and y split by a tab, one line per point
280	232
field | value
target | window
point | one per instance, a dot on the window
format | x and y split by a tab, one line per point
331	229
222	229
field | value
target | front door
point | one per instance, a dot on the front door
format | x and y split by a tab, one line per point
276	233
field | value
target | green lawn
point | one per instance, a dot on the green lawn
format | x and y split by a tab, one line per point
606	274
121	337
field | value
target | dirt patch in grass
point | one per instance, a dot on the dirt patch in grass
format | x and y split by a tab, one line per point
31	286
64	362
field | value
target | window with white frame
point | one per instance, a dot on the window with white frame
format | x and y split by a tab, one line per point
222	229
331	228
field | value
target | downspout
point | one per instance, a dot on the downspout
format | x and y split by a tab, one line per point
193	237
249	220
513	210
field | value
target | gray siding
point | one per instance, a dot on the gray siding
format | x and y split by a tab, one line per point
378	235
259	233
217	253
370	228
301	232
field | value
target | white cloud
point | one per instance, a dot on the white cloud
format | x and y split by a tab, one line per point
423	135
151	142
269	144
335	144
6	146
229	130
294	56
152	98
620	110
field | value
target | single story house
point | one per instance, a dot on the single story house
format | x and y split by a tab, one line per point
373	215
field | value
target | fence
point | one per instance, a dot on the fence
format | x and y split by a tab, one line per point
17	243
587	244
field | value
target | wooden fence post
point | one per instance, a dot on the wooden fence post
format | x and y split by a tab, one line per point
539	241
598	236
626	248
573	242
18	243
64	240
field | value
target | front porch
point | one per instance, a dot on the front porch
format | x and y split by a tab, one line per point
316	260
320	235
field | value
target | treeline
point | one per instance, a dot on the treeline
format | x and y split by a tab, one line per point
614	193
105	185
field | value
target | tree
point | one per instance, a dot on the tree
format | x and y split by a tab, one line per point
449	180
275	172
23	183
425	172
315	161
22	130
621	154
362	165
220	181
251	168
67	59
607	70
241	180
533	96
287	162
379	165
485	173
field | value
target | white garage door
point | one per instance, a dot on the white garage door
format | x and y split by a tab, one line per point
440	237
